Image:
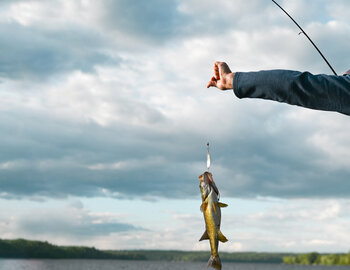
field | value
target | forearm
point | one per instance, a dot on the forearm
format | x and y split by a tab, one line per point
321	92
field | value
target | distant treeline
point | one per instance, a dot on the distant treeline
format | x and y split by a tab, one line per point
21	248
316	258
193	256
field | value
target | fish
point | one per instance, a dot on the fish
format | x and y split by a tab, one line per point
211	208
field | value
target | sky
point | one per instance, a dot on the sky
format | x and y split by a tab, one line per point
105	116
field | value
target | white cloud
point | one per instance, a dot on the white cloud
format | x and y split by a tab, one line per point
55	14
278	226
68	224
129	164
303	225
105	105
339	10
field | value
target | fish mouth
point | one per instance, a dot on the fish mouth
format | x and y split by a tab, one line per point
206	177
201	178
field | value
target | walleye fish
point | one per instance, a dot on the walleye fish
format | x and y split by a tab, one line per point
212	217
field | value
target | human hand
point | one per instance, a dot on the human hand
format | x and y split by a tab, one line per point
223	77
347	73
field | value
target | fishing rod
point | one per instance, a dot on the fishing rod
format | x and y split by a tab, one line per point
302	30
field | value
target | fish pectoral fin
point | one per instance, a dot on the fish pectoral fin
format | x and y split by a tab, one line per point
221	237
203	206
222	204
205	236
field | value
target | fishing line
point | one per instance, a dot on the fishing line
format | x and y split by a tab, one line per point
302	31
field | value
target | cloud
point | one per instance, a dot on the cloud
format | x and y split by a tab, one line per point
37	54
83	35
92	142
285	158
70	222
303	225
118	23
153	20
34	227
338	10
106	100
111	118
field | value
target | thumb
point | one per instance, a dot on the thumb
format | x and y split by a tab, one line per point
212	82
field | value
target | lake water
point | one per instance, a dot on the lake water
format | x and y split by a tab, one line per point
6	264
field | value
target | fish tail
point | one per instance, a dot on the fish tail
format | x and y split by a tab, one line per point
215	262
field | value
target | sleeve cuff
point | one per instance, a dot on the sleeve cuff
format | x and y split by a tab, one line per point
235	84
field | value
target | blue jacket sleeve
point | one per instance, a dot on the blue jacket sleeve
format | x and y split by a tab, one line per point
320	92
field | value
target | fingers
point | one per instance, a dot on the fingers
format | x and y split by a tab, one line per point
212	82
221	78
217	70
220	69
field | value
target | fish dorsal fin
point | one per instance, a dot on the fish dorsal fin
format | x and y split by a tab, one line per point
205	236
221	237
222	204
204	206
